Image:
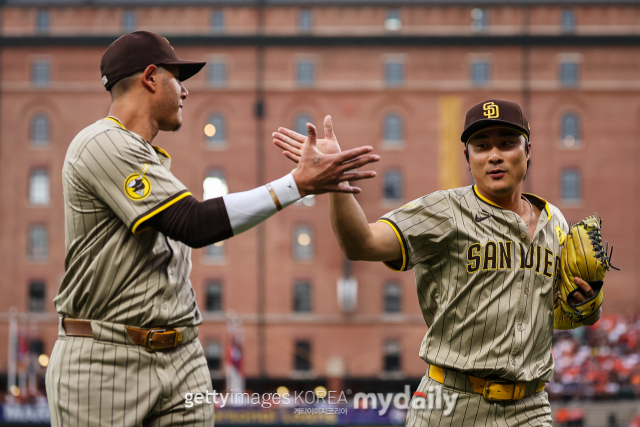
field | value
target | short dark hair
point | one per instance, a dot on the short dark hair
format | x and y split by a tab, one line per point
122	86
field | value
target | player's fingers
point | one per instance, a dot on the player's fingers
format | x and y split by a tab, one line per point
287	147
292	134
358	162
328	129
284	138
355	176
291	156
576	298
587	290
311	135
344	188
345	156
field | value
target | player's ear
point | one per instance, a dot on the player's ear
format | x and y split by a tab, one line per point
150	78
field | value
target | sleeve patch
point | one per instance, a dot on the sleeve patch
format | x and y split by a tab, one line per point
137	185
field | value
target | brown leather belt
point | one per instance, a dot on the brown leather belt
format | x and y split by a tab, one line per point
152	339
492	390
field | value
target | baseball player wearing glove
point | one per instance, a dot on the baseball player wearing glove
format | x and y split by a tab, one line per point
584	258
127	352
485	259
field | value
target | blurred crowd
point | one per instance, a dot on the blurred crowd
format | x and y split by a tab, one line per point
600	361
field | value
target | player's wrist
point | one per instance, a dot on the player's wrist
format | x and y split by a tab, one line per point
300	182
285	190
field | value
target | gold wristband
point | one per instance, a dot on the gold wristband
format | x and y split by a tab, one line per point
274	197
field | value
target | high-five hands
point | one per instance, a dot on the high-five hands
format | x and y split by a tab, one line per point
322	167
291	142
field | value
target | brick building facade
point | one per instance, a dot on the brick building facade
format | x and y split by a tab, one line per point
395	75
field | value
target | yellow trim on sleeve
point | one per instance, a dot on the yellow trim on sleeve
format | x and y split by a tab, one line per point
402	248
155	212
160	150
116	122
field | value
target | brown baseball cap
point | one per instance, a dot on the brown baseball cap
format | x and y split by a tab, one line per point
135	51
495	112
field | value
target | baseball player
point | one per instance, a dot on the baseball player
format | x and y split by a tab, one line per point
485	259
126	353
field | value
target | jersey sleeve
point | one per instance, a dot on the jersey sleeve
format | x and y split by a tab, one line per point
423	228
128	177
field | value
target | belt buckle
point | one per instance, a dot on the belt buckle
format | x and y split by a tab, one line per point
486	390
147	341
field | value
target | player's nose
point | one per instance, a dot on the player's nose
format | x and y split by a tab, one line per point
183	91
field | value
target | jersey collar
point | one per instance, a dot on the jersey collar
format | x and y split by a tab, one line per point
155	147
484	199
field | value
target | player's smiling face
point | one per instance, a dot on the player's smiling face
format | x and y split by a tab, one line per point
498	160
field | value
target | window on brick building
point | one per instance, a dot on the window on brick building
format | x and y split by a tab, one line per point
392	298
393	21
39	130
215	252
42	22
392	185
37	249
302	356
480	19
217	21
214	296
305	20
217	73
37	297
214	185
216	132
394	73
570	130
569	71
480	73
305	73
129	23
302	297
300	123
213	354
392	354
571	186
302	242
392	129
39	187
40	73
567	20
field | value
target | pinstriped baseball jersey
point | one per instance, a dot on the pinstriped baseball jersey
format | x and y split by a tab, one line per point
485	288
115	270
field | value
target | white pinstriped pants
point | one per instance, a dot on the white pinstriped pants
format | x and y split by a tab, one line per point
97	383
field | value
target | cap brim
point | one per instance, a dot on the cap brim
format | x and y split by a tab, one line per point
187	69
481	124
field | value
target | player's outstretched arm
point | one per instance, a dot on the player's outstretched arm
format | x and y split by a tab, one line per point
358	239
200	224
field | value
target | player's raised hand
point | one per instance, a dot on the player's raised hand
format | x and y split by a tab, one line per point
319	173
291	142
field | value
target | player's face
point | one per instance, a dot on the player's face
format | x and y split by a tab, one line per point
171	95
498	160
